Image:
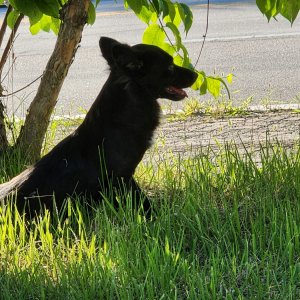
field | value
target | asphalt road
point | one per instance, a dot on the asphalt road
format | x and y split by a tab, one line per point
263	56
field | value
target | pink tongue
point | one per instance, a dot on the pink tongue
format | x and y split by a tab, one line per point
174	90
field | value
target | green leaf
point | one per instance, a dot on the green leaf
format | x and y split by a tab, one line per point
35	16
203	87
164	8
97	2
146	15
35	28
229	78
200	83
261	5
91	14
273	10
213	86
186	16
225	86
28	8
176	34
168	48
265	7
45	23
178	60
135	5
12	18
12	3
55	25
175	19
49	7
154	35
289	9
156	4
186	59
171	10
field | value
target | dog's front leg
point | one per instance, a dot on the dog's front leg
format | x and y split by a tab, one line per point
139	196
123	186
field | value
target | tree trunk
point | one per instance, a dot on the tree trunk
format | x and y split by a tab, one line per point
3	137
74	17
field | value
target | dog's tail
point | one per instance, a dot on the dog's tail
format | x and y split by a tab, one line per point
10	186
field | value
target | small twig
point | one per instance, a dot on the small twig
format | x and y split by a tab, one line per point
23	88
9	69
163	27
205	34
4	24
10	43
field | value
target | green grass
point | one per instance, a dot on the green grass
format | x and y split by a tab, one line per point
227	227
216	108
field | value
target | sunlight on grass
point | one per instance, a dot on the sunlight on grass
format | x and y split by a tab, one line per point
217	108
226	227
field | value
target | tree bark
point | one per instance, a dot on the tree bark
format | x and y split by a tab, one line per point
74	17
3	137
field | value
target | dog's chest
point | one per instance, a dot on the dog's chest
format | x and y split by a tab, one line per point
138	115
136	124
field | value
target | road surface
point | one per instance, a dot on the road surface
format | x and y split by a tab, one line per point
264	57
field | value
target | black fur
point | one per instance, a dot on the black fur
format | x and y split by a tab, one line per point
105	149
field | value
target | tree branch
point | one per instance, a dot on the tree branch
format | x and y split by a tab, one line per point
10	43
204	35
4	24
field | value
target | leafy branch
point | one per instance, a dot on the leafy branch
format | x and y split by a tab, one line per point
166	22
164	17
287	8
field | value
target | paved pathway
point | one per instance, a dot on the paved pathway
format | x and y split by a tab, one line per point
246	131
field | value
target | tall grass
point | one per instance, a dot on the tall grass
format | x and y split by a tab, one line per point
226	227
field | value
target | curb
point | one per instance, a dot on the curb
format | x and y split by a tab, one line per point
252	108
273	107
165	113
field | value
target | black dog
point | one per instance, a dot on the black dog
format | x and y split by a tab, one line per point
102	154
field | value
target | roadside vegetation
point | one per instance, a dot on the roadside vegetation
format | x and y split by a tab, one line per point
226	222
226	227
165	22
216	108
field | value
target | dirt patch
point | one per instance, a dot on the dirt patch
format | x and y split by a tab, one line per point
247	131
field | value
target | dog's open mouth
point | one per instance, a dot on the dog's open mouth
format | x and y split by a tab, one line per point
175	93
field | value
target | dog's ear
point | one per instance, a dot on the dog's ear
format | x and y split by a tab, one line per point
126	58
106	45
119	54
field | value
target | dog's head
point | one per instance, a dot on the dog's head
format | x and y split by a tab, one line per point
150	67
